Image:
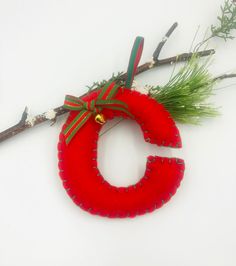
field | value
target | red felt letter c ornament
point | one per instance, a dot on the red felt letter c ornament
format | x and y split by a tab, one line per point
78	161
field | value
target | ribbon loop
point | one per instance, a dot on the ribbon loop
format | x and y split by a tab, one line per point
134	60
88	108
91	106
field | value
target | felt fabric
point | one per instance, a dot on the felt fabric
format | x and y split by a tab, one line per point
87	187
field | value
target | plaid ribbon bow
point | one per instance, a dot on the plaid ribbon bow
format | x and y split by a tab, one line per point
88	108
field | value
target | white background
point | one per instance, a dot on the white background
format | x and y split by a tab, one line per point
52	48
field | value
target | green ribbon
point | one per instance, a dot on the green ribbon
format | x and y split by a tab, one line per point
86	109
134	60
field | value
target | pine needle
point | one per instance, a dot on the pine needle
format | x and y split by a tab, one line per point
99	84
227	21
185	94
226	24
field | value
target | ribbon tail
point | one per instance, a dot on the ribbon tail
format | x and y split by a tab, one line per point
76	124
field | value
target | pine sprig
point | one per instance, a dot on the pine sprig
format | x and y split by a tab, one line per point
185	94
227	21
99	84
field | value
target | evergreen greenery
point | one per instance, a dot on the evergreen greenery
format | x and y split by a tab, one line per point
185	94
227	21
99	84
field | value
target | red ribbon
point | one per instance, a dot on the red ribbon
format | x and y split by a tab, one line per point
88	108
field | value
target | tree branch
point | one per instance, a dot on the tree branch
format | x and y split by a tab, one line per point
27	121
225	76
157	52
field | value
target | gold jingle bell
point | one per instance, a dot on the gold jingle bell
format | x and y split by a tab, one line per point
100	119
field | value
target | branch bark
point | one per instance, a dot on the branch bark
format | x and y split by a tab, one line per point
157	52
27	121
225	76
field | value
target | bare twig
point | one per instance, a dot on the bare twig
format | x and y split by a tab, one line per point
225	76
157	52
170	60
29	122
14	130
